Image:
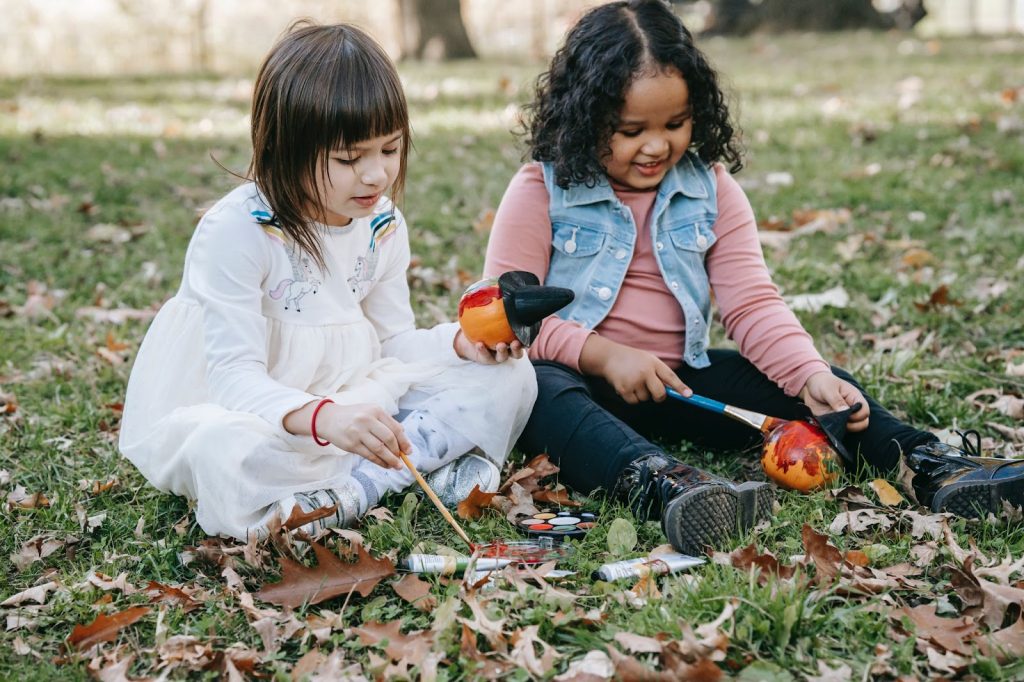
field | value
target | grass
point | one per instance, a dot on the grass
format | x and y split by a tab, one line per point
920	142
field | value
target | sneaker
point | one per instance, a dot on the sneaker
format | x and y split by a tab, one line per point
963	482
698	510
345	500
454	481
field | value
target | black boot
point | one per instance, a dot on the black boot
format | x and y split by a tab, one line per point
961	481
697	509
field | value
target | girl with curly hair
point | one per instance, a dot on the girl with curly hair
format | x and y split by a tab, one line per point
629	202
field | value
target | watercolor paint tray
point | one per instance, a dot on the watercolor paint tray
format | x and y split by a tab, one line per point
558	524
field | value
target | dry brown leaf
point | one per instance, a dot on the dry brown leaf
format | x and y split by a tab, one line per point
952	634
416	591
638	644
413	646
329	578
559	496
856	557
158	592
104	628
887	494
595	666
530	475
917	258
19	498
938	297
826	557
1005	645
473	506
37	594
524	652
747	559
36	549
492	629
299	518
488	667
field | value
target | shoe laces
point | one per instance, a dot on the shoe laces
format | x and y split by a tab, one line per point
973	449
656	487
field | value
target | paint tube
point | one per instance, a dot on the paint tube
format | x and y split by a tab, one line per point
449	565
638	568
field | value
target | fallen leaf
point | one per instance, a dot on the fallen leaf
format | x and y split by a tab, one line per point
37	594
19	498
166	593
887	494
826	557
836	297
952	634
299	518
105	628
524	652
473	506
331	577
416	591
595	666
638	644
939	297
413	646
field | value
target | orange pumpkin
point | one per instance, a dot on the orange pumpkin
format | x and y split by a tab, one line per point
799	457
482	315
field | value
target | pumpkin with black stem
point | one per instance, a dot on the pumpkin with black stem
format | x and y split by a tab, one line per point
508	308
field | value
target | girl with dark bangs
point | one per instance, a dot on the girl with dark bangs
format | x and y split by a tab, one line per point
629	203
281	382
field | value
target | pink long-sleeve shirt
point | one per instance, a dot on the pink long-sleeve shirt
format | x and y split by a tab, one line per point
645	314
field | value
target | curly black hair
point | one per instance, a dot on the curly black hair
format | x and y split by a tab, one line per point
577	102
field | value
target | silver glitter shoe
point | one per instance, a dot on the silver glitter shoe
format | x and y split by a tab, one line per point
454	481
345	498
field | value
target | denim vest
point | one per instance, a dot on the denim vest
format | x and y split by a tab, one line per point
594	236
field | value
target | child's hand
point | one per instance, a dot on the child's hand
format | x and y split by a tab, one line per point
636	375
365	430
825	392
478	352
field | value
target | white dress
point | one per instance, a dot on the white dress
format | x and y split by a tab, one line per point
257	330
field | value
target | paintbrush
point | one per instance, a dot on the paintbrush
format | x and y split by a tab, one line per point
437	502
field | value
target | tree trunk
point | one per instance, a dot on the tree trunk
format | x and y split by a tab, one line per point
433	30
740	17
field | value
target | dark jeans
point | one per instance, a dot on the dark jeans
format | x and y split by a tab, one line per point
592	433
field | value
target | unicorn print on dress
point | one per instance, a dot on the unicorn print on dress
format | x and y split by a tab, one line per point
301	283
382	228
294	289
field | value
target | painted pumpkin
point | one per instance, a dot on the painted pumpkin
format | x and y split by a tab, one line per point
797	456
482	314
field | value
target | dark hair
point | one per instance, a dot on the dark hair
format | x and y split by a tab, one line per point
321	88
578	100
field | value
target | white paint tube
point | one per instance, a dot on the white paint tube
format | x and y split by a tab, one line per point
671	562
449	565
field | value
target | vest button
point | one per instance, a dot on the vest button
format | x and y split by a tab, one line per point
620	254
674	285
570	247
702	241
604	293
661	246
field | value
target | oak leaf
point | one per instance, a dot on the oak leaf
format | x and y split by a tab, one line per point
415	591
104	628
158	592
412	647
329	578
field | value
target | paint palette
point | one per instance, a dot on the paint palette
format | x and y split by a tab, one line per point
562	524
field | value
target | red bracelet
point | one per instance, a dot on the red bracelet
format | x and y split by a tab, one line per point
312	422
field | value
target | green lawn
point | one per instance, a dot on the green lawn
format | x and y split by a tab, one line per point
911	155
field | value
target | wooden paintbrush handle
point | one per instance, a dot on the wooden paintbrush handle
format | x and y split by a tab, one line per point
437	502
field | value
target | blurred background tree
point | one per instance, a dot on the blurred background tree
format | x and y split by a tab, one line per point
111	37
